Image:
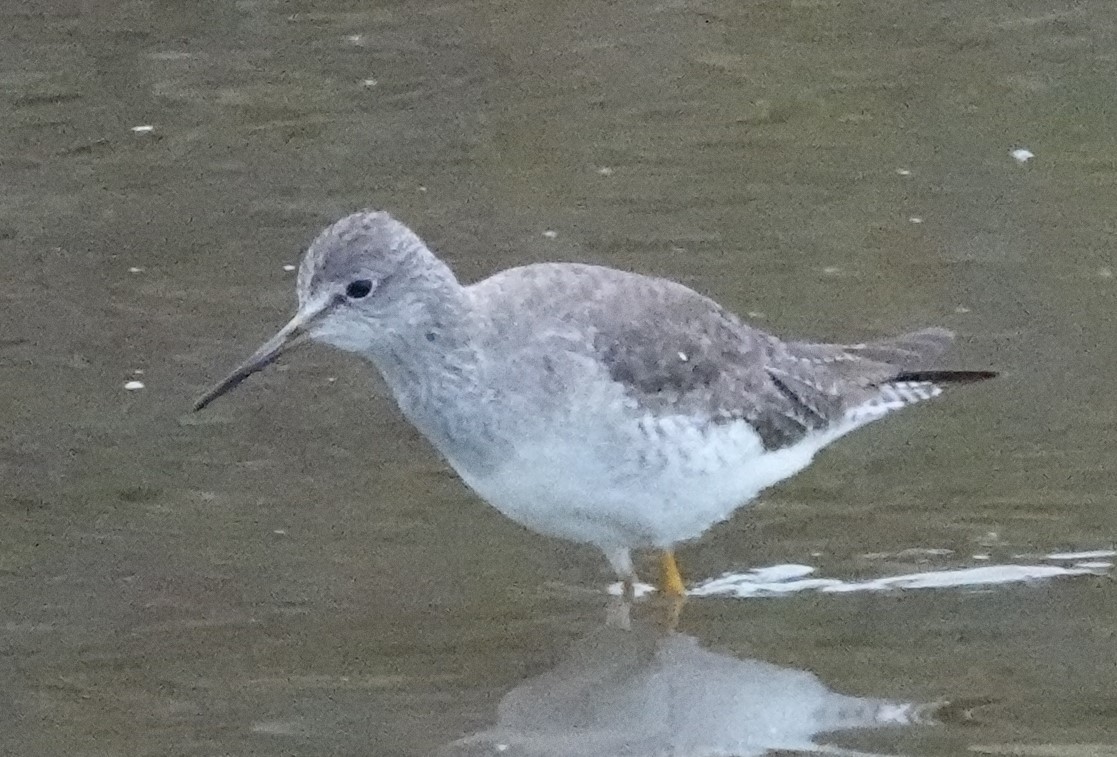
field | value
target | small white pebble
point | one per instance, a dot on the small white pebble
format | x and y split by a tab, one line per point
683	357
961	309
550	234
422	188
755	314
831	270
605	171
903	172
915	219
355	39
816	554
135	269
1022	155
981	557
369	83
280	531
1105	272
134	386
143	129
138	372
288	268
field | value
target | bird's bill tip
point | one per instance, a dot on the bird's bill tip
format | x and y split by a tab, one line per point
291	335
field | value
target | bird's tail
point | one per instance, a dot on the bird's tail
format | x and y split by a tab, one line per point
905	352
908	353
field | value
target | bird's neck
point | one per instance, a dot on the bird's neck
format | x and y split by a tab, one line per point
432	366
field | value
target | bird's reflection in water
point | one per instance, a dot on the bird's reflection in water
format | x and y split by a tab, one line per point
645	691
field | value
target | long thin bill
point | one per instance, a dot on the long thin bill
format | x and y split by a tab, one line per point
289	336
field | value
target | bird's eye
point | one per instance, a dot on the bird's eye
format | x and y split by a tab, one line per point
358	289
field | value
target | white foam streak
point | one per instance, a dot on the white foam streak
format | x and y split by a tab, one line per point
782	580
1094	554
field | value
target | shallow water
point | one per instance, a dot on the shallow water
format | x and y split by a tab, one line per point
295	572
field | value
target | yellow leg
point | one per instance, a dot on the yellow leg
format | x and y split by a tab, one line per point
670	582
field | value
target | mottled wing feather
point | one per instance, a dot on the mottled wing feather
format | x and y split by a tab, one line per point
837	380
708	366
906	352
677	352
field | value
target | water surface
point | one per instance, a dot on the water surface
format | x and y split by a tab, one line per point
295	572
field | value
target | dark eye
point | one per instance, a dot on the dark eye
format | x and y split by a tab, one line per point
358	289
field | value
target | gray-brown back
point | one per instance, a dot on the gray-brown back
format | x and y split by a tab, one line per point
675	351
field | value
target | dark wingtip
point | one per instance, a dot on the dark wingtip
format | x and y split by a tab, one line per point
946	377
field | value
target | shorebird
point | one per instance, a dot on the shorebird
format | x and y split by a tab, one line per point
604	407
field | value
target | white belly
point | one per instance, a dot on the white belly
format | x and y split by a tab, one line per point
663	482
